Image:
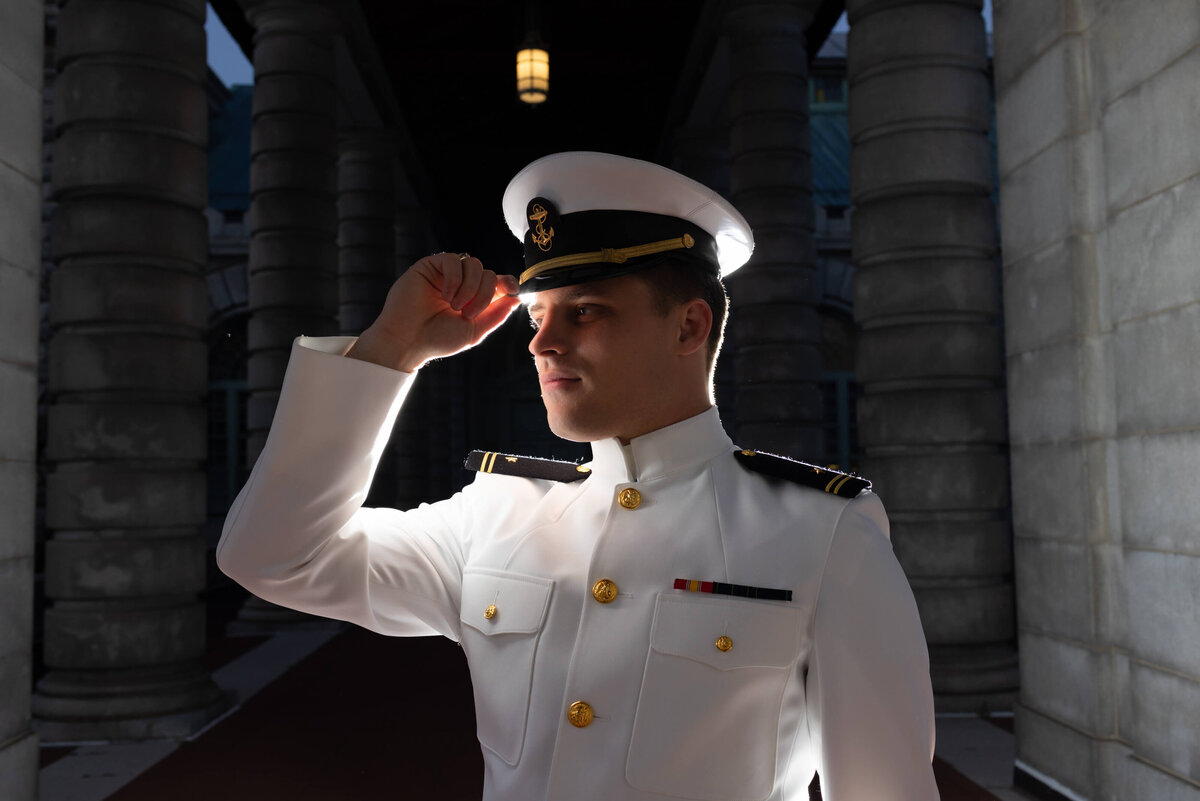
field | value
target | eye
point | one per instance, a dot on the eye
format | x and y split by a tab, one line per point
583	311
535	323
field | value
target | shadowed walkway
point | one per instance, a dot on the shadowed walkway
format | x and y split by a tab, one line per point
360	717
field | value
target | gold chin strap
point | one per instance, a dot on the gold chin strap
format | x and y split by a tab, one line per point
608	255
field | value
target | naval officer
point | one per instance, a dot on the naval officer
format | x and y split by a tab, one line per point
678	617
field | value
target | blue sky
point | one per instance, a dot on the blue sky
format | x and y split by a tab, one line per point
226	58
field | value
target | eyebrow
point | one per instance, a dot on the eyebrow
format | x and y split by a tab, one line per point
572	296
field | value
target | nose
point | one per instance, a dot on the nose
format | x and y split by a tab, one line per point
548	338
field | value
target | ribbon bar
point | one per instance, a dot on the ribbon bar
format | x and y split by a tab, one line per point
736	590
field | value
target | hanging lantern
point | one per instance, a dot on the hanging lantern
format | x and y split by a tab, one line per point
533	74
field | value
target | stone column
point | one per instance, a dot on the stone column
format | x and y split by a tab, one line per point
774	325
366	203
20	254
292	274
930	356
293	180
125	433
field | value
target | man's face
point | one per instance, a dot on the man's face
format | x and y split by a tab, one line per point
605	358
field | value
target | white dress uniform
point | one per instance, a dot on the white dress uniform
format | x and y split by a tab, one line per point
594	677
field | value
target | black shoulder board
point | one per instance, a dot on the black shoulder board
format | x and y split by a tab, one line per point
810	475
524	466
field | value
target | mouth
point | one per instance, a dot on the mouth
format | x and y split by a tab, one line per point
551	380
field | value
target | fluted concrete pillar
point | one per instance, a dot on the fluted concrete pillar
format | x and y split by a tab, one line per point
293	180
930	356
126	443
366	205
774	327
20	254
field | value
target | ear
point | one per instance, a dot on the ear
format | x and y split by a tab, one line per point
695	323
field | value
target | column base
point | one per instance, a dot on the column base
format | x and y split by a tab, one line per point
976	680
174	701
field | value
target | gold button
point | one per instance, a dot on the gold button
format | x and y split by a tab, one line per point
582	469
605	591
630	498
724	643
490	612
580	714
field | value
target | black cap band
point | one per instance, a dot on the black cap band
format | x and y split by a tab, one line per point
561	250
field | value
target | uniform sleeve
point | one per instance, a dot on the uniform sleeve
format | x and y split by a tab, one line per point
869	694
297	536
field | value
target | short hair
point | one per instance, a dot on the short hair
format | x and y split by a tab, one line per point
674	281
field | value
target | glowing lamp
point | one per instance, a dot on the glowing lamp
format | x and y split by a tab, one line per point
533	74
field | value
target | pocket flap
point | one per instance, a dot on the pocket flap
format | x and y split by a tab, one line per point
504	603
760	634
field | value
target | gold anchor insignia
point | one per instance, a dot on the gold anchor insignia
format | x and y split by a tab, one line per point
541	237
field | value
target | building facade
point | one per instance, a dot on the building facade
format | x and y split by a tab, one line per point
1022	373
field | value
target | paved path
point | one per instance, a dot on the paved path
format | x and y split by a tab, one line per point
345	715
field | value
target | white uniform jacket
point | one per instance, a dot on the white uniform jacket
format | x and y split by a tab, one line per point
836	680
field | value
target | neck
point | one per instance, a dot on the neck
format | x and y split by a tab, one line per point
670	416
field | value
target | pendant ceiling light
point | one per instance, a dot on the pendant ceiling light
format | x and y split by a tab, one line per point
533	74
533	62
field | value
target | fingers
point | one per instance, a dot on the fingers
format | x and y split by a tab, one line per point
466	286
507	285
484	293
470	275
451	268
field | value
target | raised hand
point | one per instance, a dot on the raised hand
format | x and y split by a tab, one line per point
443	304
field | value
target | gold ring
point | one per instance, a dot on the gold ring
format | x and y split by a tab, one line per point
463	256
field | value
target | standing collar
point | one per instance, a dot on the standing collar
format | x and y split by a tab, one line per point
666	450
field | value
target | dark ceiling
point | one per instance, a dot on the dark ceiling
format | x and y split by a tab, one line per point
621	76
614	66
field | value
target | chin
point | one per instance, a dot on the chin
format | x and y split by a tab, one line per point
574	430
570	433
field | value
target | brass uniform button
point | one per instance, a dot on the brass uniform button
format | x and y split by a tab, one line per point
629	498
490	612
605	591
724	643
580	714
582	469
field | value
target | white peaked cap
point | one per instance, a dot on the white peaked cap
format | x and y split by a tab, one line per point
588	181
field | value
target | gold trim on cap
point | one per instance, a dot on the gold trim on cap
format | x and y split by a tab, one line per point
608	255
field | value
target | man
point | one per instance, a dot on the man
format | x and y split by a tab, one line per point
675	619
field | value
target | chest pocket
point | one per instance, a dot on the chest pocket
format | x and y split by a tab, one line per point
502	616
708	715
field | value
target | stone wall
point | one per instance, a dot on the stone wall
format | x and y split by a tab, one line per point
1100	205
20	256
